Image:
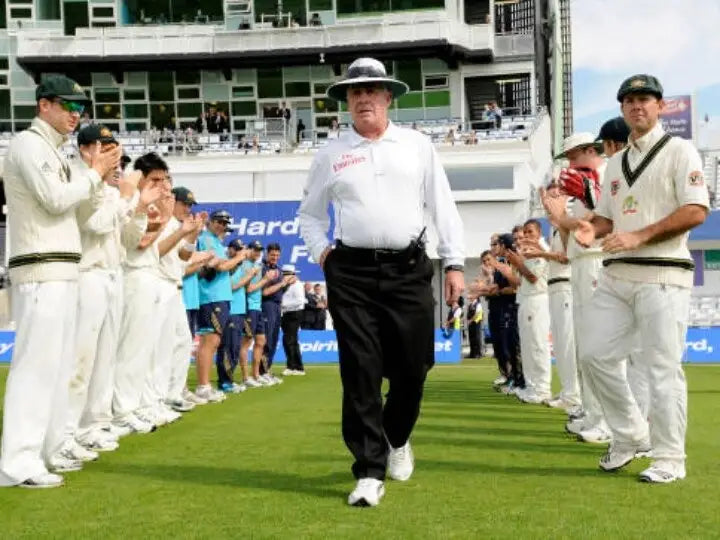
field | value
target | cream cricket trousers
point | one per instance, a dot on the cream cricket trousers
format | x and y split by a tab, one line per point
658	315
534	327
563	339
173	347
584	281
98	325
36	392
139	332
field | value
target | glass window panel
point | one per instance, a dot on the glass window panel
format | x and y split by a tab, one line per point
215	92
297	89
107	111
325	106
321	5
102	79
355	7
3	80
436	81
103	12
410	73
107	95
239	125
440	98
270	83
218	105
320	88
161	86
4	62
136	126
112	126
137	110
324	121
20	126
188	93
136	78
244	108
24	112
410	101
134	94
162	115
187	77
4	103
189	110
20	13
5	126
243	91
212	77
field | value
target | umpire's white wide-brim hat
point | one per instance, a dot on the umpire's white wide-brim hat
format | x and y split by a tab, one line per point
578	140
366	71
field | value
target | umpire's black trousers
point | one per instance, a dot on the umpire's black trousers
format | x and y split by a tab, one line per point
290	324
382	310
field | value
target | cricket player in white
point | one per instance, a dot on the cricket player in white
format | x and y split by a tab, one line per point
533	316
653	195
134	394
101	298
44	255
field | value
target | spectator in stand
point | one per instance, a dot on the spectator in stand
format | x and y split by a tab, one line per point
201	124
293	303
321	317
315	20
334	132
310	311
223	125
495	113
300	130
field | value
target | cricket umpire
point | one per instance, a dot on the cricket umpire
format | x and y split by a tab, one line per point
380	178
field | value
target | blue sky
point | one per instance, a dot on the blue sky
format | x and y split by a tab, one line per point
678	41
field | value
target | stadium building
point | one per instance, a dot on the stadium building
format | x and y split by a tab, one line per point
154	68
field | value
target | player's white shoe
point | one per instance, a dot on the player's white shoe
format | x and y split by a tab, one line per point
663	472
367	492
148	416
43	481
59	464
252	383
300	372
166	413
502	379
266	380
180	405
187	395
97	441
560	402
288	372
533	398
575	426
401	462
118	431
74	451
209	394
617	457
238	388
596	435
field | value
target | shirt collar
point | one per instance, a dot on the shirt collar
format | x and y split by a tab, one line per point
58	139
354	139
644	143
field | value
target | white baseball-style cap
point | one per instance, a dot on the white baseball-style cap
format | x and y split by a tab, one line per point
288	269
578	140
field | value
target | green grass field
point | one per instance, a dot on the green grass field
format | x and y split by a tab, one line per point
270	463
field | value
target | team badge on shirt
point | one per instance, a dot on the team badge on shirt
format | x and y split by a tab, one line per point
696	179
629	205
614	187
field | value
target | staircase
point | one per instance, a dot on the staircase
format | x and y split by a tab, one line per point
479	92
476	11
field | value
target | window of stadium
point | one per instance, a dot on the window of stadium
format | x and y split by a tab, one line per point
4	103
321	5
267	11
161	86
270	83
162	115
364	7
175	11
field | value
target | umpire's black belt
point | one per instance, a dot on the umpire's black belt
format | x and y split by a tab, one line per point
371	256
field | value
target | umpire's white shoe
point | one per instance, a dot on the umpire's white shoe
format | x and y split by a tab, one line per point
663	472
367	492
43	481
401	462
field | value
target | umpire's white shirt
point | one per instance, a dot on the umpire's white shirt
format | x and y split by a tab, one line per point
379	189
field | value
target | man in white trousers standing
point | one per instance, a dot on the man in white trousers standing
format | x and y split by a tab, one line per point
654	194
44	254
101	298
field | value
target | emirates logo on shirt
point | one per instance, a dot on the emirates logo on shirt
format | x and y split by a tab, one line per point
348	160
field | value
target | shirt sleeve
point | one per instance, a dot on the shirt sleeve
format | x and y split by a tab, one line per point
440	203
42	175
313	212
690	185
133	231
101	221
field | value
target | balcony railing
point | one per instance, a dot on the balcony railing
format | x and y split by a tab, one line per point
207	40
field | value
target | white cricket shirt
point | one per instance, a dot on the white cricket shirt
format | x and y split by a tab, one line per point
379	189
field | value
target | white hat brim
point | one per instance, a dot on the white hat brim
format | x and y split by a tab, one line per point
338	91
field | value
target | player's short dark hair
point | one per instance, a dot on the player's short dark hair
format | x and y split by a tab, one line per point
150	162
486	252
535	223
273	247
517	228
